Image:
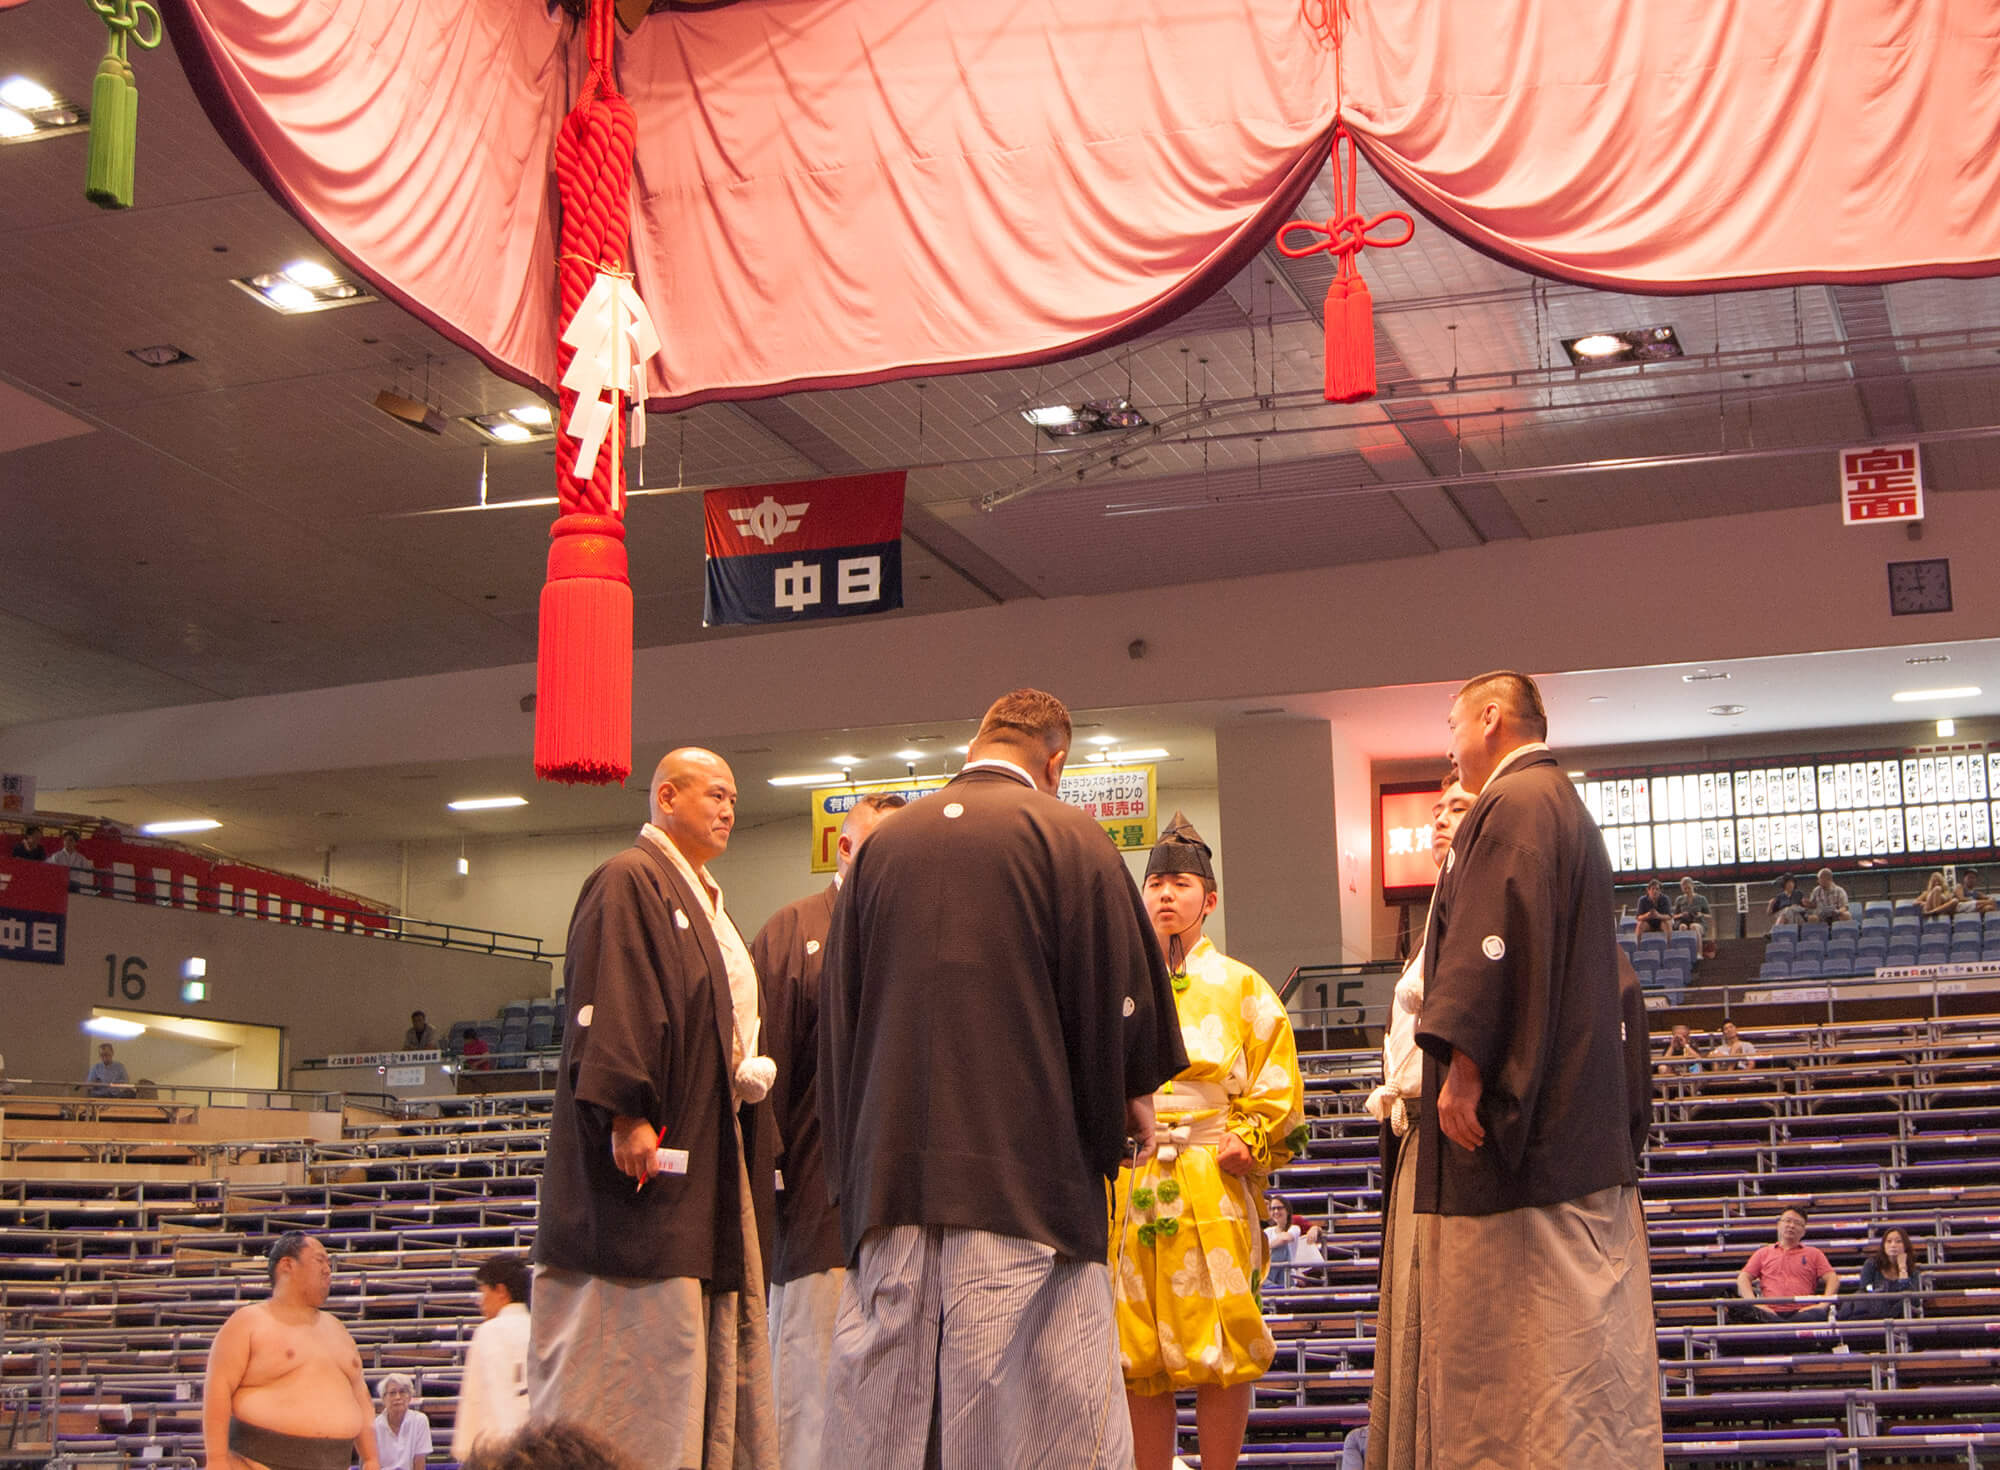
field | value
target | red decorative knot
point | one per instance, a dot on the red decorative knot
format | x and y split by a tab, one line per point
1350	315
1346	233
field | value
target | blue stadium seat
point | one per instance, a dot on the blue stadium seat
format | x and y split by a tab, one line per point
1805	969
1875	907
1849	928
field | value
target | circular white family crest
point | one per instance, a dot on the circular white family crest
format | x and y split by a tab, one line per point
1130	1005
954	810
1494	946
681	918
583	1016
812	946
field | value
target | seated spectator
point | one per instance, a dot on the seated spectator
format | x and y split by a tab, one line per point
107	1076
1656	915
31	849
1788	905
421	1036
1889	1271
1293	1241
1733	1052
1681	1055
1789	1269
493	1394
1691	909
1828	900
1354	1449
1938	897
402	1434
82	872
1970	899
477	1054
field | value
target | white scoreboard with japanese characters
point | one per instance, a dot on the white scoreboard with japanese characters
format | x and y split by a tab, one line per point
1895	808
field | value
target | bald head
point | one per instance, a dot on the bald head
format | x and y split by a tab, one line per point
693	801
863	818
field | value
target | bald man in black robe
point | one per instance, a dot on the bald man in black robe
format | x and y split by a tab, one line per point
995	1017
1535	1295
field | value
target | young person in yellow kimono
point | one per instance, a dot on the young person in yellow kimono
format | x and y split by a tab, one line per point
1187	1246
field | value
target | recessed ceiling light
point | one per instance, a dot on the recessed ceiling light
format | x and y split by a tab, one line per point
534	415
1623	349
810	778
1598	699
485	803
1103	739
1067	420
1925	696
844	761
1703	676
303	286
909	755
29	110
1151	753
163	355
26	95
513	426
1726	709
1947	729
310	274
169	829
113	1026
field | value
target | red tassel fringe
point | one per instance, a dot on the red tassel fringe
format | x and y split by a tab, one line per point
1350	340
583	683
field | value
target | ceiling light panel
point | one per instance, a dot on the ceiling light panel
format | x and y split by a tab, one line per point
303	287
29	110
810	778
486	803
1926	696
171	829
528	424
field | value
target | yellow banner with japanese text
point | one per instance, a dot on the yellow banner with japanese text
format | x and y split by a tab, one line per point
1120	799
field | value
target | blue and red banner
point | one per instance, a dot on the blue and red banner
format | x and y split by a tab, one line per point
34	911
805	549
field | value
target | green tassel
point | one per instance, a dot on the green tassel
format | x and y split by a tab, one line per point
107	135
128	146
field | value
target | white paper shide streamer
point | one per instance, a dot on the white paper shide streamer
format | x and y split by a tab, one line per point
613	335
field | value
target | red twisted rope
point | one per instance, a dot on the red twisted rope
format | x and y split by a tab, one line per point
594	150
1345	234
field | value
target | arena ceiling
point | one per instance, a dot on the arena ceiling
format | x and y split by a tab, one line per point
247	522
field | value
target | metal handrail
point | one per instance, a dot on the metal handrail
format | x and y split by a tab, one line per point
80	1105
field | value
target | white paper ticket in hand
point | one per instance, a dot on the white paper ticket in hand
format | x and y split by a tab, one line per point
671	1160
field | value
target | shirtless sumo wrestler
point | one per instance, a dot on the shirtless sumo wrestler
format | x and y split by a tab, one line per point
284	1389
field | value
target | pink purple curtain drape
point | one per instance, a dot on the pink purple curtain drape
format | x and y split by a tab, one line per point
836	191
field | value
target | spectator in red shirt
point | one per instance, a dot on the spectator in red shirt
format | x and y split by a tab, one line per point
1788	1269
474	1051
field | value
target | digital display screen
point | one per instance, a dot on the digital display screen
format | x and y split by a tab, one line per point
1405	814
1741	816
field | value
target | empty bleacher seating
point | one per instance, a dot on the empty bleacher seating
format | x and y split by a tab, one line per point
111	1292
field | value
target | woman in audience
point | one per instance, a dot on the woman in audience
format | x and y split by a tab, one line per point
1294	1242
1938	897
1889	1269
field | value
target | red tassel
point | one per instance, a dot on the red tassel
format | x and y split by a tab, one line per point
1350	340
1350	311
583	683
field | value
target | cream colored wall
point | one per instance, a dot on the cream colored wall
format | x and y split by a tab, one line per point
528	885
327	992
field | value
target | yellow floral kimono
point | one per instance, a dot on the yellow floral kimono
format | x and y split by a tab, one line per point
1187	1246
